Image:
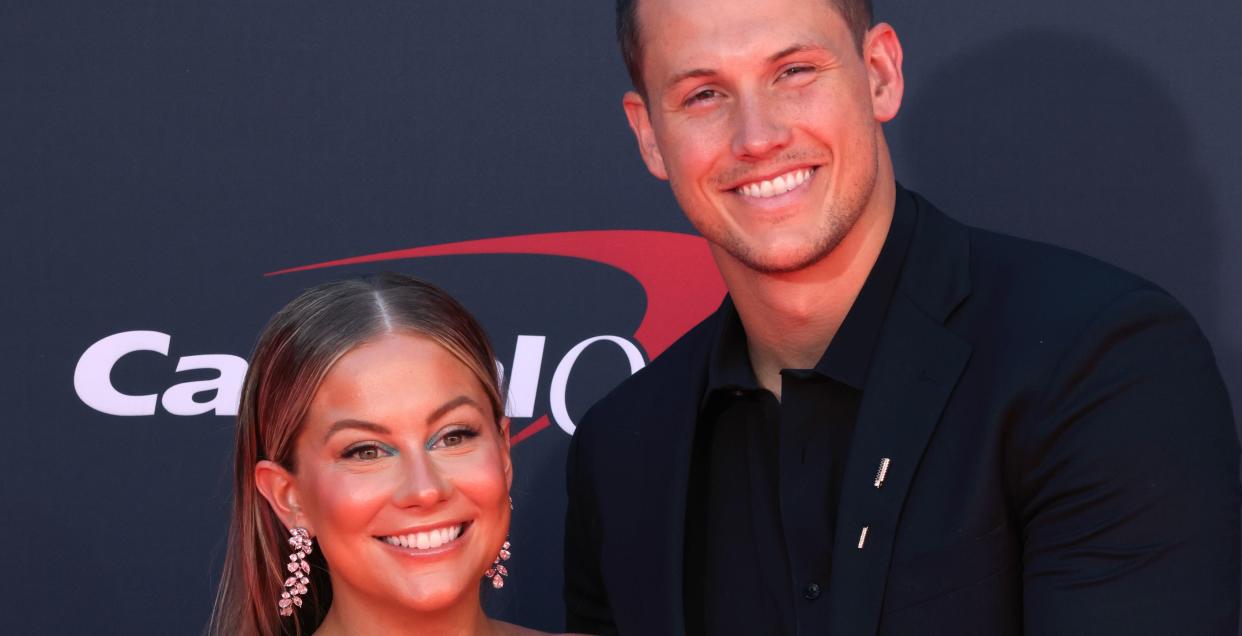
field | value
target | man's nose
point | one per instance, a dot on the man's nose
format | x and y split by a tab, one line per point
422	483
759	131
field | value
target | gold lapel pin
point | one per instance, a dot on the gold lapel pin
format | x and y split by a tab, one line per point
882	473
862	537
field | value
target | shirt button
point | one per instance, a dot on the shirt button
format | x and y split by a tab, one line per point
811	592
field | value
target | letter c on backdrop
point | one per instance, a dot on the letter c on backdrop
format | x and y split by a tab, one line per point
92	379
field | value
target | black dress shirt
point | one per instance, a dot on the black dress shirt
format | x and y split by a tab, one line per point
766	473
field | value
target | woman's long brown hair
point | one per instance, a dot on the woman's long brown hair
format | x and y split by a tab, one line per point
294	353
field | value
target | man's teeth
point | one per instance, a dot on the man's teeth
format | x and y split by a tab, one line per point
779	185
425	540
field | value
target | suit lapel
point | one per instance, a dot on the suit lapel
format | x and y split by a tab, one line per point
914	370
911	383
668	442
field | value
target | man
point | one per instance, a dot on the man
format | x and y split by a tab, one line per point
895	423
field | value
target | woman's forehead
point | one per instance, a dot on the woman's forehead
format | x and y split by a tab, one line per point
398	376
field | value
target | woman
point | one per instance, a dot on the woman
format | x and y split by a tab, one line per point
372	469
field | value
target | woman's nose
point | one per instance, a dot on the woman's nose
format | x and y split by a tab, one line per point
422	484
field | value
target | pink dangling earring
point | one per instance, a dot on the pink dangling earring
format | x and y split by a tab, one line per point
299	569
498	570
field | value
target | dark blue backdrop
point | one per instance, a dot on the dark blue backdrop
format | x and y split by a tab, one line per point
158	158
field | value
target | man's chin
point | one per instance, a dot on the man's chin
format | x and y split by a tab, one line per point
779	259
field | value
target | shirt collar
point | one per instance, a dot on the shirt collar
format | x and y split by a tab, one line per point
848	357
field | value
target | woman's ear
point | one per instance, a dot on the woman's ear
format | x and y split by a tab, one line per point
504	436
279	487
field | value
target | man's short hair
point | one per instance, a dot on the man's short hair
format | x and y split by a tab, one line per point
857	14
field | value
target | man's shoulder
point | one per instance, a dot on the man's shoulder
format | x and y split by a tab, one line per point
1021	290
1022	267
1056	284
1029	279
672	377
1044	267
1044	311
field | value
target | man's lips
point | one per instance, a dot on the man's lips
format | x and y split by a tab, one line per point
775	185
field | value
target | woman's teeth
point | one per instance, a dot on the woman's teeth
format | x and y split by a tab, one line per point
425	540
780	185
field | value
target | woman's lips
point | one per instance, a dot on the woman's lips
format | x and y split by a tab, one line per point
427	541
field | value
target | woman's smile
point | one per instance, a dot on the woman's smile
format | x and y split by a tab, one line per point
427	542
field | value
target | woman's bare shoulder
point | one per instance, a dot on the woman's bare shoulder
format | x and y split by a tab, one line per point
509	629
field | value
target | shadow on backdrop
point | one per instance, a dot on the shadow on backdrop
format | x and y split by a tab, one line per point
1055	137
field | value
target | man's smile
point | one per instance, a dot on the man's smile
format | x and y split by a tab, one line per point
768	188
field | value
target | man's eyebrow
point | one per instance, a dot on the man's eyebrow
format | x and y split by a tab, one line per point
707	72
364	425
796	48
685	75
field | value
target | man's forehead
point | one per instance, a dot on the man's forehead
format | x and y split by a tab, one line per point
679	34
713	14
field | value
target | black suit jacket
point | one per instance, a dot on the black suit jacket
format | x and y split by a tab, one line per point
1063	461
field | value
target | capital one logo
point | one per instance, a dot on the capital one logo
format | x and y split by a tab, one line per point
675	271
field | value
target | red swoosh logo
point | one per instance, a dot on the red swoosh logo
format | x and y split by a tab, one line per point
676	271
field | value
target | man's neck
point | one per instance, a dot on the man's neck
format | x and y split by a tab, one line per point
791	318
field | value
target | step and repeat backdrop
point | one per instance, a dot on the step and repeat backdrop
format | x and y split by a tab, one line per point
173	172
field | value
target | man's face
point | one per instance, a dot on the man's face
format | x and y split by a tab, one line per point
765	120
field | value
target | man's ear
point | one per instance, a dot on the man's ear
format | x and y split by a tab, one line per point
640	122
279	487
882	55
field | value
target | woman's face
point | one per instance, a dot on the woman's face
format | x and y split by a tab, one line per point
403	475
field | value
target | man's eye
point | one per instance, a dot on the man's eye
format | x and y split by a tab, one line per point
796	70
701	96
366	452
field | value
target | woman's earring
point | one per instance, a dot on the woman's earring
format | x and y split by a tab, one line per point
498	571
299	569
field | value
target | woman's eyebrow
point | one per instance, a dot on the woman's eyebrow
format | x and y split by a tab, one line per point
357	424
364	425
452	404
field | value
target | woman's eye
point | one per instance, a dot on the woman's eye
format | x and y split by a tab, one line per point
367	452
455	437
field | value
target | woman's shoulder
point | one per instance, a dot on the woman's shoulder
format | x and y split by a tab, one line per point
509	629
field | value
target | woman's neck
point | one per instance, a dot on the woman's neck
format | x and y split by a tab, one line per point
355	615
